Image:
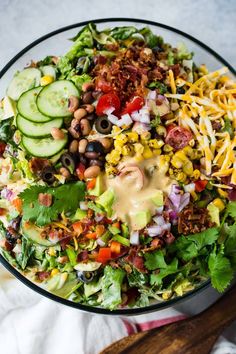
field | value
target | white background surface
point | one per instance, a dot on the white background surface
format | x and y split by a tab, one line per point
22	21
211	21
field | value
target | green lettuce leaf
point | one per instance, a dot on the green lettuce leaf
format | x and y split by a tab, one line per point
111	287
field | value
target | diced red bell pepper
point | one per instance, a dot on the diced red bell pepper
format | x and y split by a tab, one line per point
91	184
104	255
200	185
115	247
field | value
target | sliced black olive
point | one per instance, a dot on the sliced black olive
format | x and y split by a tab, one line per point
69	161
85	277
157	49
103	125
94	146
180	90
15	223
47	174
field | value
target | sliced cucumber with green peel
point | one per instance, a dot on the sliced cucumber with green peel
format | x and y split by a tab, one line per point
53	99
37	130
33	233
23	81
27	106
45	147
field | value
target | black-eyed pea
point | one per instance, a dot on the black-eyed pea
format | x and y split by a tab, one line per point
95	162
85	126
73	148
87	97
89	108
64	172
73	104
92	172
80	113
82	146
106	143
87	86
57	133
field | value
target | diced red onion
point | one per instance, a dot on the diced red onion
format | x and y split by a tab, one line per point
98	218
185	199
109	110
17	248
125	120
6	194
175	196
134	238
140	127
232	195
166	227
112	118
83	206
159	210
161	98
189	187
173	215
155	230
152	95
100	242
159	220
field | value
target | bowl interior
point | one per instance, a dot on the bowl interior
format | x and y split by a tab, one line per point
57	43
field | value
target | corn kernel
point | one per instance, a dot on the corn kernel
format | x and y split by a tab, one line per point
203	69
155	144
188	168
132	137
167	148
176	162
181	177
110	170
147	153
161	130
113	157
54	272
196	174
138	148
46	79
219	203
188	151
115	129
138	157
52	252
145	136
156	152
127	150
181	155
222	193
166	295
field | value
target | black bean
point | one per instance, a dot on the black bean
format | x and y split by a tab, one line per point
91	155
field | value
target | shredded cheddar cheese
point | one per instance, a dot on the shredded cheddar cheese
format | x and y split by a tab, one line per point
212	98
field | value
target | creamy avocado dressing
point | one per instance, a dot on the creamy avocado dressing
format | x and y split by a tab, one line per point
134	190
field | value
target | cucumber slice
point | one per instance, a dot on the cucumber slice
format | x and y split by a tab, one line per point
37	130
33	233
53	99
27	106
46	147
23	81
49	70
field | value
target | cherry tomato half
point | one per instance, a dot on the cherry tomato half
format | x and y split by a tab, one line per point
134	105
107	101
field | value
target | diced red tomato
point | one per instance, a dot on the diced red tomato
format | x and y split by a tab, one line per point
107	101
200	185
77	227
91	184
2	147
103	86
91	235
104	255
80	171
115	247
134	105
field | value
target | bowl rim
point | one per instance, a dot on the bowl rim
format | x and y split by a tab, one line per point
51	296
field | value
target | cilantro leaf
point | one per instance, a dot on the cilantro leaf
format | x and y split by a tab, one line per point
158	85
155	122
111	287
155	260
65	198
156	279
204	238
220	271
231	209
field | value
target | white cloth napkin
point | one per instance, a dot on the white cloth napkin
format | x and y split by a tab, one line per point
32	324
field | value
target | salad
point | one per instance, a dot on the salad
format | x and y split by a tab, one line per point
118	171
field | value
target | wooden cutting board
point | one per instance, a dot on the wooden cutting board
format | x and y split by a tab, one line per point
195	335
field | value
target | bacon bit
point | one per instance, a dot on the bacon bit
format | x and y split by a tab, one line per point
2	211
62	259
82	256
169	238
37	164
176	69
43	275
136	260
65	242
2	147
6	245
193	220
45	199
